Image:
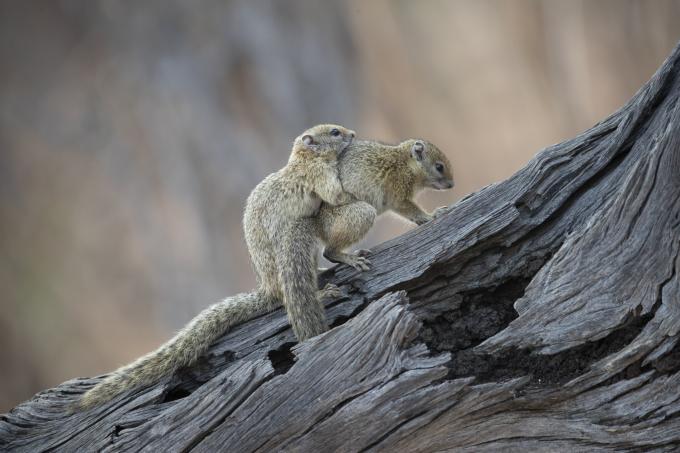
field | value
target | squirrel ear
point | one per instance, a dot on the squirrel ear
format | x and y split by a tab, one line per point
417	150
308	140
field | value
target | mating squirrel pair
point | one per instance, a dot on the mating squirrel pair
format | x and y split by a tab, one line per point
331	189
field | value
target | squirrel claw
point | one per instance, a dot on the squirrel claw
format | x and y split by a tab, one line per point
359	263
331	291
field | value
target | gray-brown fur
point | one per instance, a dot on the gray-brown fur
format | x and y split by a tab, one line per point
282	246
380	177
283	249
183	349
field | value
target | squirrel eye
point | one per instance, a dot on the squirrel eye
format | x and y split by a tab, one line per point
439	167
335	132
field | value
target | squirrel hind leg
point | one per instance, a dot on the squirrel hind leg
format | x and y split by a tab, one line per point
343	226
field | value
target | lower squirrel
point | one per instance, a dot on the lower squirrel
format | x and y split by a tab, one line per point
284	255
380	177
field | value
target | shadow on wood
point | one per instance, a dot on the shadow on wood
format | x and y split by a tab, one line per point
539	313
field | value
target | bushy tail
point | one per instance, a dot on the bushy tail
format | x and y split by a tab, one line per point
182	350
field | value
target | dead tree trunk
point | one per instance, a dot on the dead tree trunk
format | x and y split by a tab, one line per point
542	312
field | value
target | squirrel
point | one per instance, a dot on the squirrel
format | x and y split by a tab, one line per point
380	177
283	250
282	247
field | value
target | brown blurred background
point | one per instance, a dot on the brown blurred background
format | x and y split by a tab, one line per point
132	132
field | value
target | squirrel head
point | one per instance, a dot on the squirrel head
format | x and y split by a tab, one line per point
323	140
433	166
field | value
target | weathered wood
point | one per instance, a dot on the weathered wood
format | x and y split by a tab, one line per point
540	313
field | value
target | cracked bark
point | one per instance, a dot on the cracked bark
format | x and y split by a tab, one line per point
539	313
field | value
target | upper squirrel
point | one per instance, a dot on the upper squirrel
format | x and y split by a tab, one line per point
380	177
284	255
283	250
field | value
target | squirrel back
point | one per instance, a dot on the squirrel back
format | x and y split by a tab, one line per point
384	175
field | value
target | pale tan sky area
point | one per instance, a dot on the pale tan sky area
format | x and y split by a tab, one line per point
132	132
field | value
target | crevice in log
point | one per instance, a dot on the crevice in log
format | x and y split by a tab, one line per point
188	379
668	363
282	358
340	320
174	394
484	313
557	369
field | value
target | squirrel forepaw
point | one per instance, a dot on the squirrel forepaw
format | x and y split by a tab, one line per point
439	211
359	262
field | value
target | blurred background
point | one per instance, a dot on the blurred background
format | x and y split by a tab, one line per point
132	132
